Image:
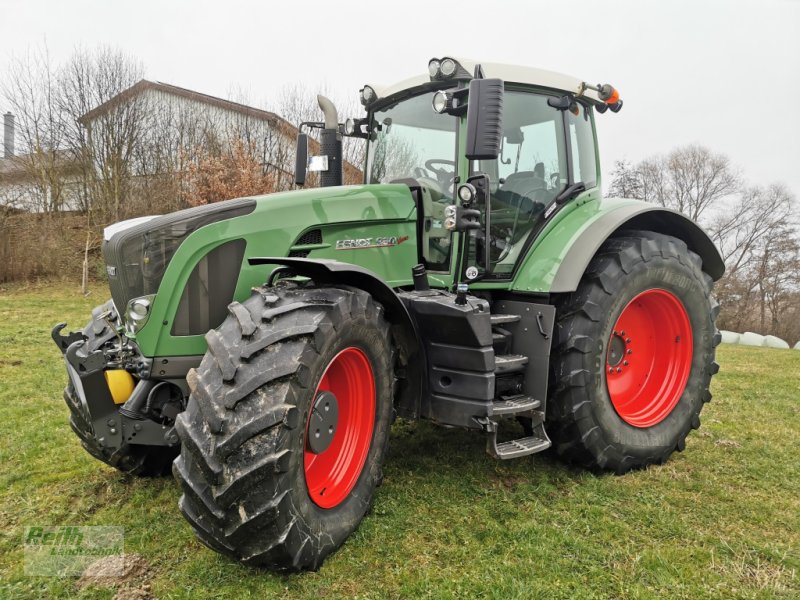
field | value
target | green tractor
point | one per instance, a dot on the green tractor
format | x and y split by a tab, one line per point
262	347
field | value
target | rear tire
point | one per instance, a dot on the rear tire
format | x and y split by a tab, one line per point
248	488
131	459
619	403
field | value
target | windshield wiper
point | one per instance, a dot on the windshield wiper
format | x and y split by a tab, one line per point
571	191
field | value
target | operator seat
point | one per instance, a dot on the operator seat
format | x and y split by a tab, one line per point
525	190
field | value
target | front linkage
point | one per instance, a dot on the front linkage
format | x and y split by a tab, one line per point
130	430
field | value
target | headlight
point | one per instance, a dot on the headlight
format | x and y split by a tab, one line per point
138	313
433	68
349	127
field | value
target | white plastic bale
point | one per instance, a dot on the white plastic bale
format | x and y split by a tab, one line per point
771	341
748	338
797	346
730	337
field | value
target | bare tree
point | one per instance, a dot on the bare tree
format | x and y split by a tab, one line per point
690	179
31	90
103	142
743	224
625	181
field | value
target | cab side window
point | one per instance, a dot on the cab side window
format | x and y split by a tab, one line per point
527	176
581	139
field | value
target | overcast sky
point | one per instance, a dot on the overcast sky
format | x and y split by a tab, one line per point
725	74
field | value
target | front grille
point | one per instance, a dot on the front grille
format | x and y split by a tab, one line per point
137	258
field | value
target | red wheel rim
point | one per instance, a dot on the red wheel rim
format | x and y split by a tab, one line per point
332	473
649	357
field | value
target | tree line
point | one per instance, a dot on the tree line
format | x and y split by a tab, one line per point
77	169
755	227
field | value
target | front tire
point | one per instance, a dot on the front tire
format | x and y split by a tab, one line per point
633	354
268	475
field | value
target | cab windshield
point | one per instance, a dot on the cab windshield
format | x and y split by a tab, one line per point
410	140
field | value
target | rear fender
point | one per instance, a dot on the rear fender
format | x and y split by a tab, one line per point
558	261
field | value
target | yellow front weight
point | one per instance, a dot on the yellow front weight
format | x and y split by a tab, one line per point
120	384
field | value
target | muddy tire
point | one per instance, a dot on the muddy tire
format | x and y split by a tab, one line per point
131	459
633	354
266	479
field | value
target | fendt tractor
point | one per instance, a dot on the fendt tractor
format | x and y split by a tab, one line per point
262	347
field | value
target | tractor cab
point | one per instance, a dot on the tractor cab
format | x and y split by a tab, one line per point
516	142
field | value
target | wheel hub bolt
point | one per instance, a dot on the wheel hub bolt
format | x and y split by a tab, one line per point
322	422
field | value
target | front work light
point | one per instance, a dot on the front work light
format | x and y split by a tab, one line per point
467	193
448	67
441	101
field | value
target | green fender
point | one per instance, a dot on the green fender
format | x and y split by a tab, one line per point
558	259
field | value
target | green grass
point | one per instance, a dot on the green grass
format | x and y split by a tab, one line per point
721	519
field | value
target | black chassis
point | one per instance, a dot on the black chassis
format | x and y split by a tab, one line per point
88	354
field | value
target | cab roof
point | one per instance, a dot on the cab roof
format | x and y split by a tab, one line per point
508	73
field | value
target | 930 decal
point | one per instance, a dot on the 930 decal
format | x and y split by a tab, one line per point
376	242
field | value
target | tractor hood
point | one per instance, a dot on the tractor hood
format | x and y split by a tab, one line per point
370	225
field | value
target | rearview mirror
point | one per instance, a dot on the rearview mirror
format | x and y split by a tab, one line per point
301	160
484	119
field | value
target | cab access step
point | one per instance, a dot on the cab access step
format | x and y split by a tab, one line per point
486	364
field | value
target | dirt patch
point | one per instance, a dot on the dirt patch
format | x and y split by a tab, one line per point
129	572
142	593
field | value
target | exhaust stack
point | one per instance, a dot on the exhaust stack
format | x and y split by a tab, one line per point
330	141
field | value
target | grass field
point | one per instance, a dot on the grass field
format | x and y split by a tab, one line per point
721	519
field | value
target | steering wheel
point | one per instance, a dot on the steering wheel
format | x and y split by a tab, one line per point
429	164
444	176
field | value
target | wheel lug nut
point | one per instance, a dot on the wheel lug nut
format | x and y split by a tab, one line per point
625	363
619	370
622	333
610	369
630	351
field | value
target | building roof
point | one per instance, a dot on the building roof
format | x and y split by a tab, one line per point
145	84
508	73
